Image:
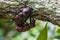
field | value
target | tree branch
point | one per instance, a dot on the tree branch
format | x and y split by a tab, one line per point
6	9
52	17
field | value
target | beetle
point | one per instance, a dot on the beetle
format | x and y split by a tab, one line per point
21	18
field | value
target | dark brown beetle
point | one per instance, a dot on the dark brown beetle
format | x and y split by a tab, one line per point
21	18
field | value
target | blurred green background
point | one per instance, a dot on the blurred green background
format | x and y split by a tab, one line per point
42	31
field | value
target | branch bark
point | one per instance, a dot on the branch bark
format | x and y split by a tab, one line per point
6	9
52	17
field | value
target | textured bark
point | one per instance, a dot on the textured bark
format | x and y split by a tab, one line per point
52	17
6	9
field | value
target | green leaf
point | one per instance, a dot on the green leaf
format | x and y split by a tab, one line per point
43	34
57	30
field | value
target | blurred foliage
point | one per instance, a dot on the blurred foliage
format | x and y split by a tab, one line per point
28	35
6	24
57	30
37	32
